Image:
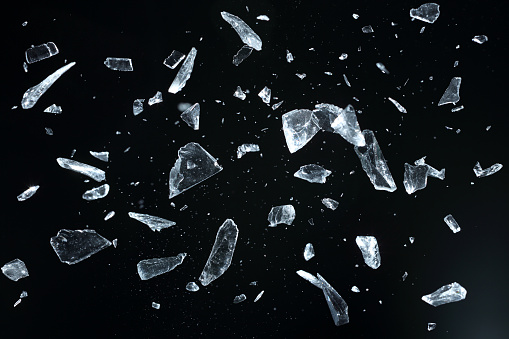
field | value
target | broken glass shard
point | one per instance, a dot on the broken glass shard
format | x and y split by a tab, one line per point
103	156
114	242
96	193
33	94
48	130
182	177
119	64
456	109
242	54
157	98
259	296
309	277
312	173
452	223
15	270
481	173
156	305
25	67
40	52
432	326
90	171
184	72
432	172
480	39
370	252
239	298
452	93
109	215
345	123
337	305
53	109
23	294
239	93
245	148
284	214
367	29
415	178
192	286
191	116
174	59
155	223
355	289
309	252
73	246
374	164
150	268
276	105
343	56
27	194
398	105
263	17
405	275
301	75
427	12
246	34
330	203
446	294
289	56
299	128
138	106
346	81
265	94
412	239
222	252
382	68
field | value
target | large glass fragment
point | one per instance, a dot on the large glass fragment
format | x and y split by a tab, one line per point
345	123
481	173
398	105
184	72
150	268
428	12
15	270
312	173
374	164
239	93
138	106
246	34
53	109
480	39
97	192
265	94
337	305
299	128
174	59
192	286
41	52
446	294
73	246
155	223
309	252
452	93
194	165
103	156
27	194
415	178
32	95
370	252
222	252
242	54
284	214
90	171
309	277
245	148
119	64
191	116
157	98
239	298
330	203
452	223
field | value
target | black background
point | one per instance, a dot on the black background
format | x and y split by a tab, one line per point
103	295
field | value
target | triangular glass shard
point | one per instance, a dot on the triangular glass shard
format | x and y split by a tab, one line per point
155	223
245	148
184	72
138	106
415	178
103	156
265	94
246	34
299	128
97	192
183	178
242	54
370	252
222	252
32	95
309	252
149	268
15	270
276	105
312	173
337	305
452	93
481	173
27	194
309	277
446	294
427	12
174	59
53	109
41	52
119	64
76	166
191	116
284	214
374	164
73	246
346	124
239	93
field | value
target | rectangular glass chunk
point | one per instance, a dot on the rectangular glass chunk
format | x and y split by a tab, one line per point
41	52
119	64
174	59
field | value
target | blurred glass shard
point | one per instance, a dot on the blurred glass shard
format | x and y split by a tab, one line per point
432	326
114	242
119	64
480	39
309	277
23	294
345	123
48	130
301	75
367	29
370	252
90	171
53	109
239	298
312	173
481	173
259	296
191	116
138	106
155	223
276	105
149	268
415	178
245	148
33	94
239	93
405	275
346	81
242	54
156	305
157	98
263	17
174	59
96	193
192	286
309	252
27	194
40	52
446	294
109	215
452	93
222	252
411	239
343	56
182	177
73	246
289	56
330	203
398	105
184	72
284	214
299	128
15	270
103	156
382	68
355	289
428	12
337	305
452	223
246	34
265	94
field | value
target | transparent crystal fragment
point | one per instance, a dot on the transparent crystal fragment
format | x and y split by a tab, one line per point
96	193
301	75
276	105
221	254
53	109
138	106
374	164
411	239
157	98
149	268
415	178
355	289
90	171
299	128
456	109
23	294
32	95
405	275
114	242
481	173
289	56
183	178
432	326
253	283
174	59
284	214
184	72
367	29
73	246
337	305
343	56
480	39
346	81
15	270
239	93
41	52
345	123
191	116
330	203
245	148
246	34
398	105
446	294
428	12
156	305
263	18
432	172
239	298
192	286
48	130
452	93
311	221
309	252
155	223
259	296
109	215
27	194
312	173
242	54
370	252
382	68
452	223
265	94
103	156
25	67
309	277
355	16
119	64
